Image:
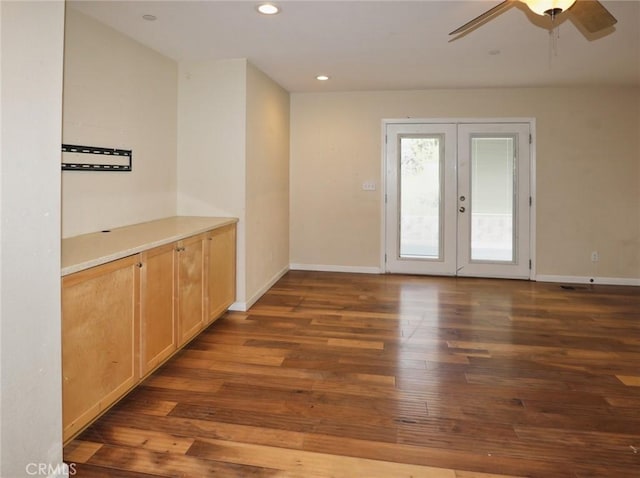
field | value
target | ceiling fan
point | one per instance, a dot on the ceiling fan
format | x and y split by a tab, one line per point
591	14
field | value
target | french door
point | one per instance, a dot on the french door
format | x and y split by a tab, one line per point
458	199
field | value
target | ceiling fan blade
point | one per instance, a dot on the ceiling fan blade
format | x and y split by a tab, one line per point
484	17
592	15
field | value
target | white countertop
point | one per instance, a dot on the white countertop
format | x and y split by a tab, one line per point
94	249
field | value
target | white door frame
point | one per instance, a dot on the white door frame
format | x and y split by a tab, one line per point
532	175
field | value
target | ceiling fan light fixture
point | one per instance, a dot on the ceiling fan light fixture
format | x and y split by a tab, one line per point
590	14
549	7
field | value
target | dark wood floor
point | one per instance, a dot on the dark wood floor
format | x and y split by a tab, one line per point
347	375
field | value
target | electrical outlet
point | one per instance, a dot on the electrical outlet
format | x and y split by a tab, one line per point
595	257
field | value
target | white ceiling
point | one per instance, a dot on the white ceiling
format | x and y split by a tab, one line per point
381	45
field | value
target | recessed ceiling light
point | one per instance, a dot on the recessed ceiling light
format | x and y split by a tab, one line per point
322	77
494	52
150	18
268	9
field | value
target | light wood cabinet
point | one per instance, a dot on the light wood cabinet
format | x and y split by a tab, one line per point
122	319
221	245
190	287
99	340
157	307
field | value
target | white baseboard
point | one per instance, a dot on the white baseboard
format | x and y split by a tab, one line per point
244	306
238	307
588	280
326	268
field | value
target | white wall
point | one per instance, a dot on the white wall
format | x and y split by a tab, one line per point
118	94
211	145
267	182
233	160
588	172
31	107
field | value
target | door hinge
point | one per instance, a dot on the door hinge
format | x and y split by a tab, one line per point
529	264
530	201
530	139
385	258
385	198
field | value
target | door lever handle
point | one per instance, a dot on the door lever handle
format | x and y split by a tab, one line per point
462	209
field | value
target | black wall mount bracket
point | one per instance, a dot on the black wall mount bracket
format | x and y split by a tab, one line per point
126	155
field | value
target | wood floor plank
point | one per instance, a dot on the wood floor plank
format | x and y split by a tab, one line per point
79	451
93	471
360	344
631	381
304	463
183	383
359	375
158	408
236	354
484	462
150	462
127	436
474	474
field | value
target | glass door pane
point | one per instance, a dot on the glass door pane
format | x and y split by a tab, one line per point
420	181
420	198
493	171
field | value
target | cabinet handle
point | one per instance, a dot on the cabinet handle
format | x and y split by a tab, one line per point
139	264
179	249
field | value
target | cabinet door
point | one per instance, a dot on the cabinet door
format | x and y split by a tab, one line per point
190	287
221	270
99	340
157	307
